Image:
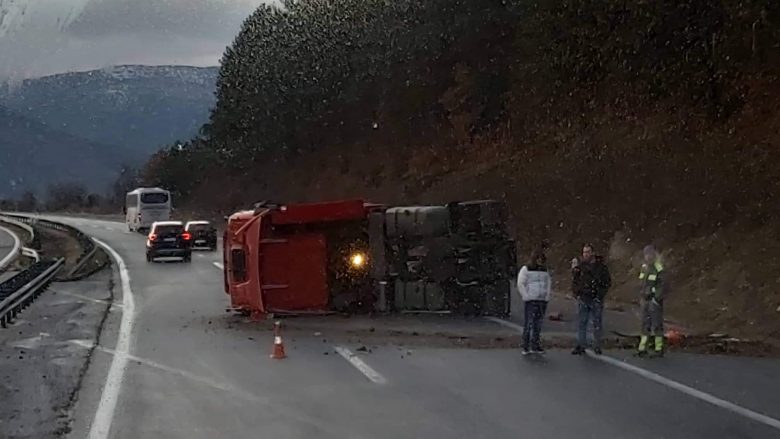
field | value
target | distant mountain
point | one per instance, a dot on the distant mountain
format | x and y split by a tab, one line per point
33	155
137	107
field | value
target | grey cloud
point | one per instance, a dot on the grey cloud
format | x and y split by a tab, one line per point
111	32
184	17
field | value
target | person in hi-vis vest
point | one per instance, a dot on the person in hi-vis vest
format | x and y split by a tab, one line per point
651	292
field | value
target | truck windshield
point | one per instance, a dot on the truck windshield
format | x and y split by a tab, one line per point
154	198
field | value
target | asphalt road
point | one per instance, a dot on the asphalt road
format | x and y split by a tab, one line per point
40	366
7	243
192	374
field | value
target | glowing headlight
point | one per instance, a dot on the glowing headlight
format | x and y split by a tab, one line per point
357	260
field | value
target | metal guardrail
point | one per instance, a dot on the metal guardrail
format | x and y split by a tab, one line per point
14	222
31	253
88	247
19	291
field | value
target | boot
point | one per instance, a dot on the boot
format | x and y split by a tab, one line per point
659	346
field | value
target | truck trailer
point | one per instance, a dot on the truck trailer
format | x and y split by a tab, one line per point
359	257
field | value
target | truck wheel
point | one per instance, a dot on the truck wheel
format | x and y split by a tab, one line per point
149	257
188	257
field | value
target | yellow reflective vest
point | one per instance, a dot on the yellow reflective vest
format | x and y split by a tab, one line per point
651	277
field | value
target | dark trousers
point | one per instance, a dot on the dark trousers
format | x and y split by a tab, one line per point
591	309
532	329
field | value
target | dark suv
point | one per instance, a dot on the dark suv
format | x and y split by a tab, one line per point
168	238
204	235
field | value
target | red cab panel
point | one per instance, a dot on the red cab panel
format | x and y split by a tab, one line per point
294	276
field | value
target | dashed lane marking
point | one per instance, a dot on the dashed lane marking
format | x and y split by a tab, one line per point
88	344
269	404
360	365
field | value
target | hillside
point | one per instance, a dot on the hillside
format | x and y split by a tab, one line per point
612	122
138	108
33	156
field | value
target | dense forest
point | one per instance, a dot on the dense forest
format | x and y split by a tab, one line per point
616	121
316	75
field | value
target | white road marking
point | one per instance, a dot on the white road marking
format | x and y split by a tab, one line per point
690	391
89	299
104	415
219	265
506	323
269	405
652	376
360	365
89	344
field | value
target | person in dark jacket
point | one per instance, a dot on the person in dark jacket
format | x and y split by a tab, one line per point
590	283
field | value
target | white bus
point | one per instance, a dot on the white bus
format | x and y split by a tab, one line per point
144	206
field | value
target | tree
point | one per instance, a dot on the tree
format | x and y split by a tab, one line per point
65	196
28	202
129	178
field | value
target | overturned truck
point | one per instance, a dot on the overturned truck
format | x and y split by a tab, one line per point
354	256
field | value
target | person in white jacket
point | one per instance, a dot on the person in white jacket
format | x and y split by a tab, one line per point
534	284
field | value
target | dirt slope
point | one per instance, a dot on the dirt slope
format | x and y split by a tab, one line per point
619	175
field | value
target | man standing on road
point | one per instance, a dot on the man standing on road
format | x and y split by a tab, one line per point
533	283
651	302
590	283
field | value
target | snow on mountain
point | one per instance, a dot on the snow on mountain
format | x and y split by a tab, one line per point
30	15
192	75
133	106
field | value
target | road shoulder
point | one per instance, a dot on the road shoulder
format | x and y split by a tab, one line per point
42	368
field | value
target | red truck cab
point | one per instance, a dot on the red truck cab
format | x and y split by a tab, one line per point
296	257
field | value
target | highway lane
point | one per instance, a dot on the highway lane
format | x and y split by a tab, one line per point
194	374
8	244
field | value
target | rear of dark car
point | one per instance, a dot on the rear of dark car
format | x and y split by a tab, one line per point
203	235
169	240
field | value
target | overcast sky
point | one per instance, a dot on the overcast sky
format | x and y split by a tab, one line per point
41	37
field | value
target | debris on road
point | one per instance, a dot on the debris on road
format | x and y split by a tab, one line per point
556	317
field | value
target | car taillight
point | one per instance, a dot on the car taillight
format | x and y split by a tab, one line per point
186	236
152	237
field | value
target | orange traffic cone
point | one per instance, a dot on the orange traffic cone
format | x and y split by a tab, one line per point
674	337
278	350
